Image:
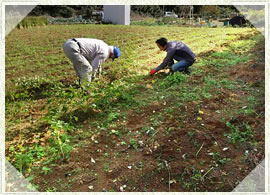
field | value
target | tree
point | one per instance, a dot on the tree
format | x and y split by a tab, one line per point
226	10
37	11
147	10
209	10
66	12
177	9
52	10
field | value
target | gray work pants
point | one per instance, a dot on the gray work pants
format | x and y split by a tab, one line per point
80	63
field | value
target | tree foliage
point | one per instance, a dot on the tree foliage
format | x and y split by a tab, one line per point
147	10
64	11
210	10
144	10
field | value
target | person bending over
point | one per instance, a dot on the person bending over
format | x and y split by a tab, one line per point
87	56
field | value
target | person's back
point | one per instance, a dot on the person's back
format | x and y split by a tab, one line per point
182	51
90	48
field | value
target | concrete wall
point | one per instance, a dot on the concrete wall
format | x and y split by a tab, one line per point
117	14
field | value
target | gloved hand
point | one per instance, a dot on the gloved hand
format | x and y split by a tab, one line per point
153	72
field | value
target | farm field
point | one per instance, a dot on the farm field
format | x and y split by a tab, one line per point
129	131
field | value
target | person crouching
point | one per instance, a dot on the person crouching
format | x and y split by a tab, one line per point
176	50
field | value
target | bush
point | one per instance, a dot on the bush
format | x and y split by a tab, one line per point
34	88
31	21
66	12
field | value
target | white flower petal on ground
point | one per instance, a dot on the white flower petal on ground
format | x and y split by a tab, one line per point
92	160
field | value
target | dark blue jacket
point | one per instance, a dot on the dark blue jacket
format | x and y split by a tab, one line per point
178	51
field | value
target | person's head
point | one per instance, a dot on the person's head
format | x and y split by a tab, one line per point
162	43
114	52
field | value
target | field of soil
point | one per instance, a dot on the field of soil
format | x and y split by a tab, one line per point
130	131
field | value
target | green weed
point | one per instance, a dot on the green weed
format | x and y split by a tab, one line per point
106	167
51	189
46	170
133	143
176	78
23	161
239	134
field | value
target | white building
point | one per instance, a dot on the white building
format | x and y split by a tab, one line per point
117	14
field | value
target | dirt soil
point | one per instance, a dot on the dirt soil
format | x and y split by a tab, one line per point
170	162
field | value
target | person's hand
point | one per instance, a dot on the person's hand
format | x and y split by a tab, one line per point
153	72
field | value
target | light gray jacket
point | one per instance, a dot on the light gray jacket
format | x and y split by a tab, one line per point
94	50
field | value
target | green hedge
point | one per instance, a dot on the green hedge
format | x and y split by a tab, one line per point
31	21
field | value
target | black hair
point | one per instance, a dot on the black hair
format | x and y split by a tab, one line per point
162	41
